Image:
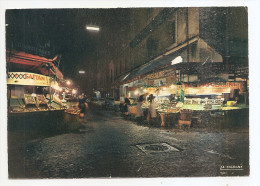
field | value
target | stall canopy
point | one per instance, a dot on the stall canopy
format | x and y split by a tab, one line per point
23	61
207	54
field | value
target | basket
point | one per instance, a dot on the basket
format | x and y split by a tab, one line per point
132	110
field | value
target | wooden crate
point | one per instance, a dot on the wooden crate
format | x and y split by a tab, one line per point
184	122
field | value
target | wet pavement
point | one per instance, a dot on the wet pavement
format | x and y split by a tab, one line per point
108	146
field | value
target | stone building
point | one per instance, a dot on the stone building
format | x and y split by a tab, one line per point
195	34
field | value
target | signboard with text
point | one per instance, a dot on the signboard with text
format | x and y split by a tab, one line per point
26	78
160	74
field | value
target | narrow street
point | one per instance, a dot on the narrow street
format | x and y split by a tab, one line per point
109	146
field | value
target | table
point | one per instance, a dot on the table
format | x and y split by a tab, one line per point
165	115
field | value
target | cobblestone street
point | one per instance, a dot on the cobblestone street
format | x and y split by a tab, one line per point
109	146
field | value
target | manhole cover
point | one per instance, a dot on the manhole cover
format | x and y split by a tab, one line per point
157	147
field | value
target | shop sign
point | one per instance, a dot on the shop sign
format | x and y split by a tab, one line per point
131	88
233	85
26	78
161	74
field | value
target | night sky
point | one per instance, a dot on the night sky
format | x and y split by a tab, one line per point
62	32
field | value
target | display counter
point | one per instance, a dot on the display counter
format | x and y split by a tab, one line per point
204	117
36	103
206	113
38	118
168	117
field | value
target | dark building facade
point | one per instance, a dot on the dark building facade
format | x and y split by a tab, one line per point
196	34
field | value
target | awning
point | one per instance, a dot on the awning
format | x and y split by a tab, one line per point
32	62
151	66
207	55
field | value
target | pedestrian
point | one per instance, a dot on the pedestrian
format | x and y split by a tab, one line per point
82	105
139	110
152	115
125	108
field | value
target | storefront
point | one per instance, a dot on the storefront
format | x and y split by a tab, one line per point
34	86
33	83
29	92
212	100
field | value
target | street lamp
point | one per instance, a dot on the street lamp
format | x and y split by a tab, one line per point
81	72
92	28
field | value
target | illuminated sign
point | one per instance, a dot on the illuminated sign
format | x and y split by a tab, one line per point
26	78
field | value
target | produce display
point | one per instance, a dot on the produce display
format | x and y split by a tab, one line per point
132	109
41	100
32	104
169	110
72	110
230	108
29	100
198	101
56	99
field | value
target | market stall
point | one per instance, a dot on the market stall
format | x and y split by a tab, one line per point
33	93
213	101
28	92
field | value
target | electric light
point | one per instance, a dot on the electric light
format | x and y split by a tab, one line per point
92	28
68	82
74	91
81	72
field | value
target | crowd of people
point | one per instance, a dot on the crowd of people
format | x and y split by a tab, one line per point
151	115
139	114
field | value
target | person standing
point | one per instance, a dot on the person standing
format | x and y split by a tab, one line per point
139	110
125	108
82	105
151	116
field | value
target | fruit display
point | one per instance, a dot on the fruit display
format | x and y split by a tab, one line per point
72	110
29	100
41	100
